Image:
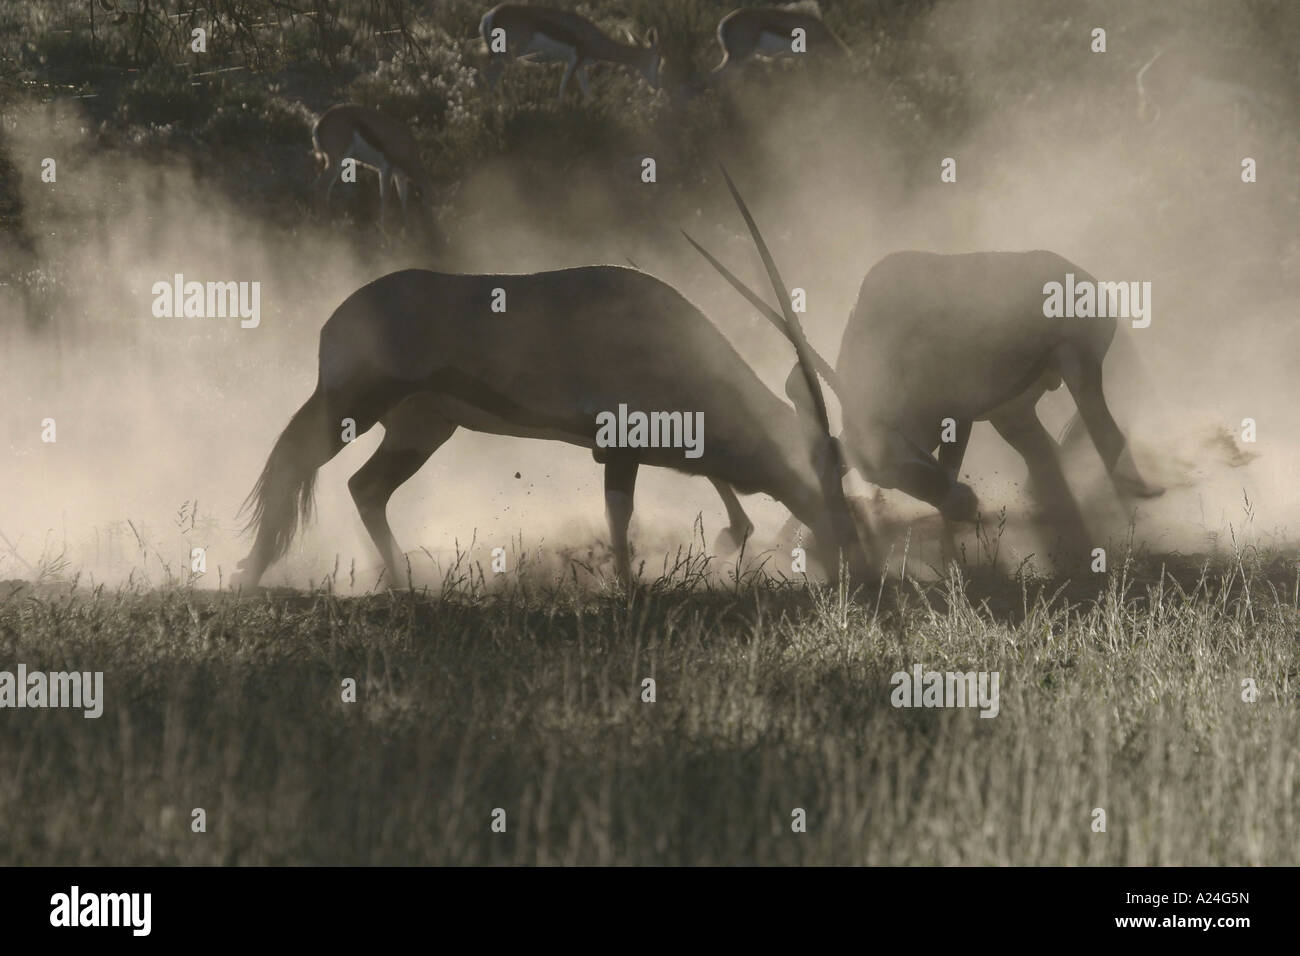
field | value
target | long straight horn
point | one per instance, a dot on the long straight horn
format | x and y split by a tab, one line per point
829	471
794	330
769	313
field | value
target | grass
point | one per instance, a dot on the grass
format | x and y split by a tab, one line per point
1125	696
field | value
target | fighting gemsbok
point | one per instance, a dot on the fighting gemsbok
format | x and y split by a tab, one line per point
964	337
423	353
544	33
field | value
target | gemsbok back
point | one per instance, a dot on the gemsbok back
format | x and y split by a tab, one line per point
424	353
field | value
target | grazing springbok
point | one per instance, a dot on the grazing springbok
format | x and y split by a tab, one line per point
771	31
110	6
348	131
423	353
964	337
544	33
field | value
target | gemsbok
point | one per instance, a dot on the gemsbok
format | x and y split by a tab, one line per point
378	142
964	337
543	33
773	32
423	353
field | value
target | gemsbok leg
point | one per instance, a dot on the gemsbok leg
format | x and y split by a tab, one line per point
1019	425
412	432
1083	377
951	455
739	526
620	486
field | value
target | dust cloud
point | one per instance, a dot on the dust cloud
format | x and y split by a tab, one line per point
163	424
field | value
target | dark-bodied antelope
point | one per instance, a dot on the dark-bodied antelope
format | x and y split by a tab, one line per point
543	33
964	337
110	6
424	354
772	32
378	142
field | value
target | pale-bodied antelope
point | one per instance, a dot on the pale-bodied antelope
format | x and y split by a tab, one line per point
544	33
110	6
424	354
379	142
963	337
772	31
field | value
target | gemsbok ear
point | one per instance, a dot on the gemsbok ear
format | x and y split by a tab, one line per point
796	389
652	38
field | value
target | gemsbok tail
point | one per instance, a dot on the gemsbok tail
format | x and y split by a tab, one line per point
282	498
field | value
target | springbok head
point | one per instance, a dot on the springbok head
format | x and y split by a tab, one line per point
652	64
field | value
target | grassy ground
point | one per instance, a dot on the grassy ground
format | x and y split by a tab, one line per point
1125	696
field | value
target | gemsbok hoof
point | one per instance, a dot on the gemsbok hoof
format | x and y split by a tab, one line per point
729	540
960	504
1138	489
1129	481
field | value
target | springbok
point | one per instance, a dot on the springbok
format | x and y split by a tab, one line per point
963	337
770	31
423	353
348	131
544	33
110	6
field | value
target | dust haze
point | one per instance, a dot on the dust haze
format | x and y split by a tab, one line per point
163	424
